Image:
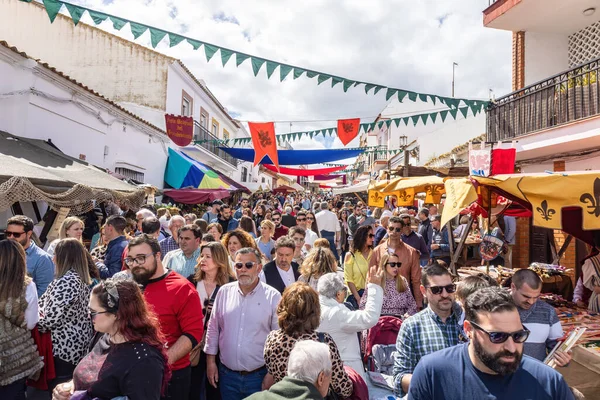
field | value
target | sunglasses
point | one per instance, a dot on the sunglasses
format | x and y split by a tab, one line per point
276	219
248	265
439	289
16	235
94	313
300	219
501	337
310	218
394	264
392	229
371	235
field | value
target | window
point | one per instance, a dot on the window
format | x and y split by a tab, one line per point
244	174
204	118
263	180
130	174
214	128
187	104
225	134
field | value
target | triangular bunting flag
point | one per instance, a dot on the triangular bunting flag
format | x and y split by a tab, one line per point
388	123
368	87
335	80
415	119
397	122
175	39
240	58
424	118
156	35
76	12
97	17
298	72
225	56
118	23
412	96
423	98
284	70
433	99
390	93
257	63
443	115
453	112
322	78
195	44
137	30
52	8
311	74
433	116
380	124
209	51
405	120
401	95
464	111
377	89
347	84
271	68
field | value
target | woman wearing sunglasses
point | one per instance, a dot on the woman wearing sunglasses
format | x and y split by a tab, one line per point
356	264
397	298
129	357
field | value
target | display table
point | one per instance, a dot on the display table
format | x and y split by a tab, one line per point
583	373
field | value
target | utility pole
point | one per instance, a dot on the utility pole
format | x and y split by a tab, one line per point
453	66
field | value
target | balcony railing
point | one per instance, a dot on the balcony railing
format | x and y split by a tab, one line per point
209	142
569	96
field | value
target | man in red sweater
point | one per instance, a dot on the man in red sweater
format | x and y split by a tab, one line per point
176	303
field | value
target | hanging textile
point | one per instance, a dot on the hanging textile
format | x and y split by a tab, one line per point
302	172
263	141
293	157
503	161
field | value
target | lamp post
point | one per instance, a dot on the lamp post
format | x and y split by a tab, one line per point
453	66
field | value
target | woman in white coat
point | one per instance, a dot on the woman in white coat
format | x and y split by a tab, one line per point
342	323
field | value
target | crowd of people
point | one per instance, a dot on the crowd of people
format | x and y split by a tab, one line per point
267	299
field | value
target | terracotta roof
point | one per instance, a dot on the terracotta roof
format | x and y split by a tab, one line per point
81	85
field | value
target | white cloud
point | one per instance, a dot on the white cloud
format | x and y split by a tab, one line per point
400	43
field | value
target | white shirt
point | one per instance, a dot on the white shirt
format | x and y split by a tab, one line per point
328	221
386	213
287	276
310	238
32	315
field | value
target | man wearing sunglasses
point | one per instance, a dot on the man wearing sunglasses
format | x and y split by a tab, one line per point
408	256
39	264
492	364
537	316
435	328
280	230
302	222
243	314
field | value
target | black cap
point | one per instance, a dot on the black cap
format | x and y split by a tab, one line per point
217	202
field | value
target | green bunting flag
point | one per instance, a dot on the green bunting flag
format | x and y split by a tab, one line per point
76	12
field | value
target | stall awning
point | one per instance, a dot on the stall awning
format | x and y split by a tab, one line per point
358	188
184	171
43	164
196	196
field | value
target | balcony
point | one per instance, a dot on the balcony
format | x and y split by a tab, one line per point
567	97
209	142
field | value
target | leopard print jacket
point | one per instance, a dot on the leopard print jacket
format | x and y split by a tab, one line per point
277	352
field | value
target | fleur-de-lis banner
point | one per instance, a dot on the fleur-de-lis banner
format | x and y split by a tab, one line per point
376	199
348	129
433	194
263	141
405	197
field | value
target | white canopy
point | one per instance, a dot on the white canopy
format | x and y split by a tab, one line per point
362	186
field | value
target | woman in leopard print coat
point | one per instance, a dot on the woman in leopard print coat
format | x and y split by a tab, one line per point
64	309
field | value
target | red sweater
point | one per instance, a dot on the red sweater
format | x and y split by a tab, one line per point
177	304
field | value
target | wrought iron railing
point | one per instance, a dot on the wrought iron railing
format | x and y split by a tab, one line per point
208	141
566	97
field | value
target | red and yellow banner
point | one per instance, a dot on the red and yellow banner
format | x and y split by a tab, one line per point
348	129
263	141
180	129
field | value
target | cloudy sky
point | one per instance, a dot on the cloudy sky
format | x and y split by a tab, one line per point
399	43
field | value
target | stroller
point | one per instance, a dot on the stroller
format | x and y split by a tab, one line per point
381	343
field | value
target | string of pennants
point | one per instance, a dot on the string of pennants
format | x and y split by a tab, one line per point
474	105
76	12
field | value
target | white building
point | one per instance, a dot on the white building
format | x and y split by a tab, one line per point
38	101
554	109
144	81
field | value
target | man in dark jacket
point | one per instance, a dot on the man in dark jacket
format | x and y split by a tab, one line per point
281	272
425	229
308	374
114	233
288	219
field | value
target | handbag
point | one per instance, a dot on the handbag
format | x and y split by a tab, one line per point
195	353
331	394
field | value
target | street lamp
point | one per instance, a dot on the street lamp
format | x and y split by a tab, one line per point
453	66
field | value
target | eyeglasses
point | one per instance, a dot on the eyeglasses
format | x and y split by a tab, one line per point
439	289
394	264
139	259
94	313
371	235
501	337
16	235
248	265
392	229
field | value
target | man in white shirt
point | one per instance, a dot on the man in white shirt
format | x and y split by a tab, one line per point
311	236
329	225
281	272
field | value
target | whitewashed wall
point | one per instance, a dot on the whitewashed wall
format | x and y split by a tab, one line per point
546	54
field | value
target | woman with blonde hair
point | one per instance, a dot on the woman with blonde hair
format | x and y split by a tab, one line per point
299	315
72	227
265	242
64	308
212	272
18	296
397	298
318	262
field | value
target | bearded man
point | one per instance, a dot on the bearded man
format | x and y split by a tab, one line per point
492	364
